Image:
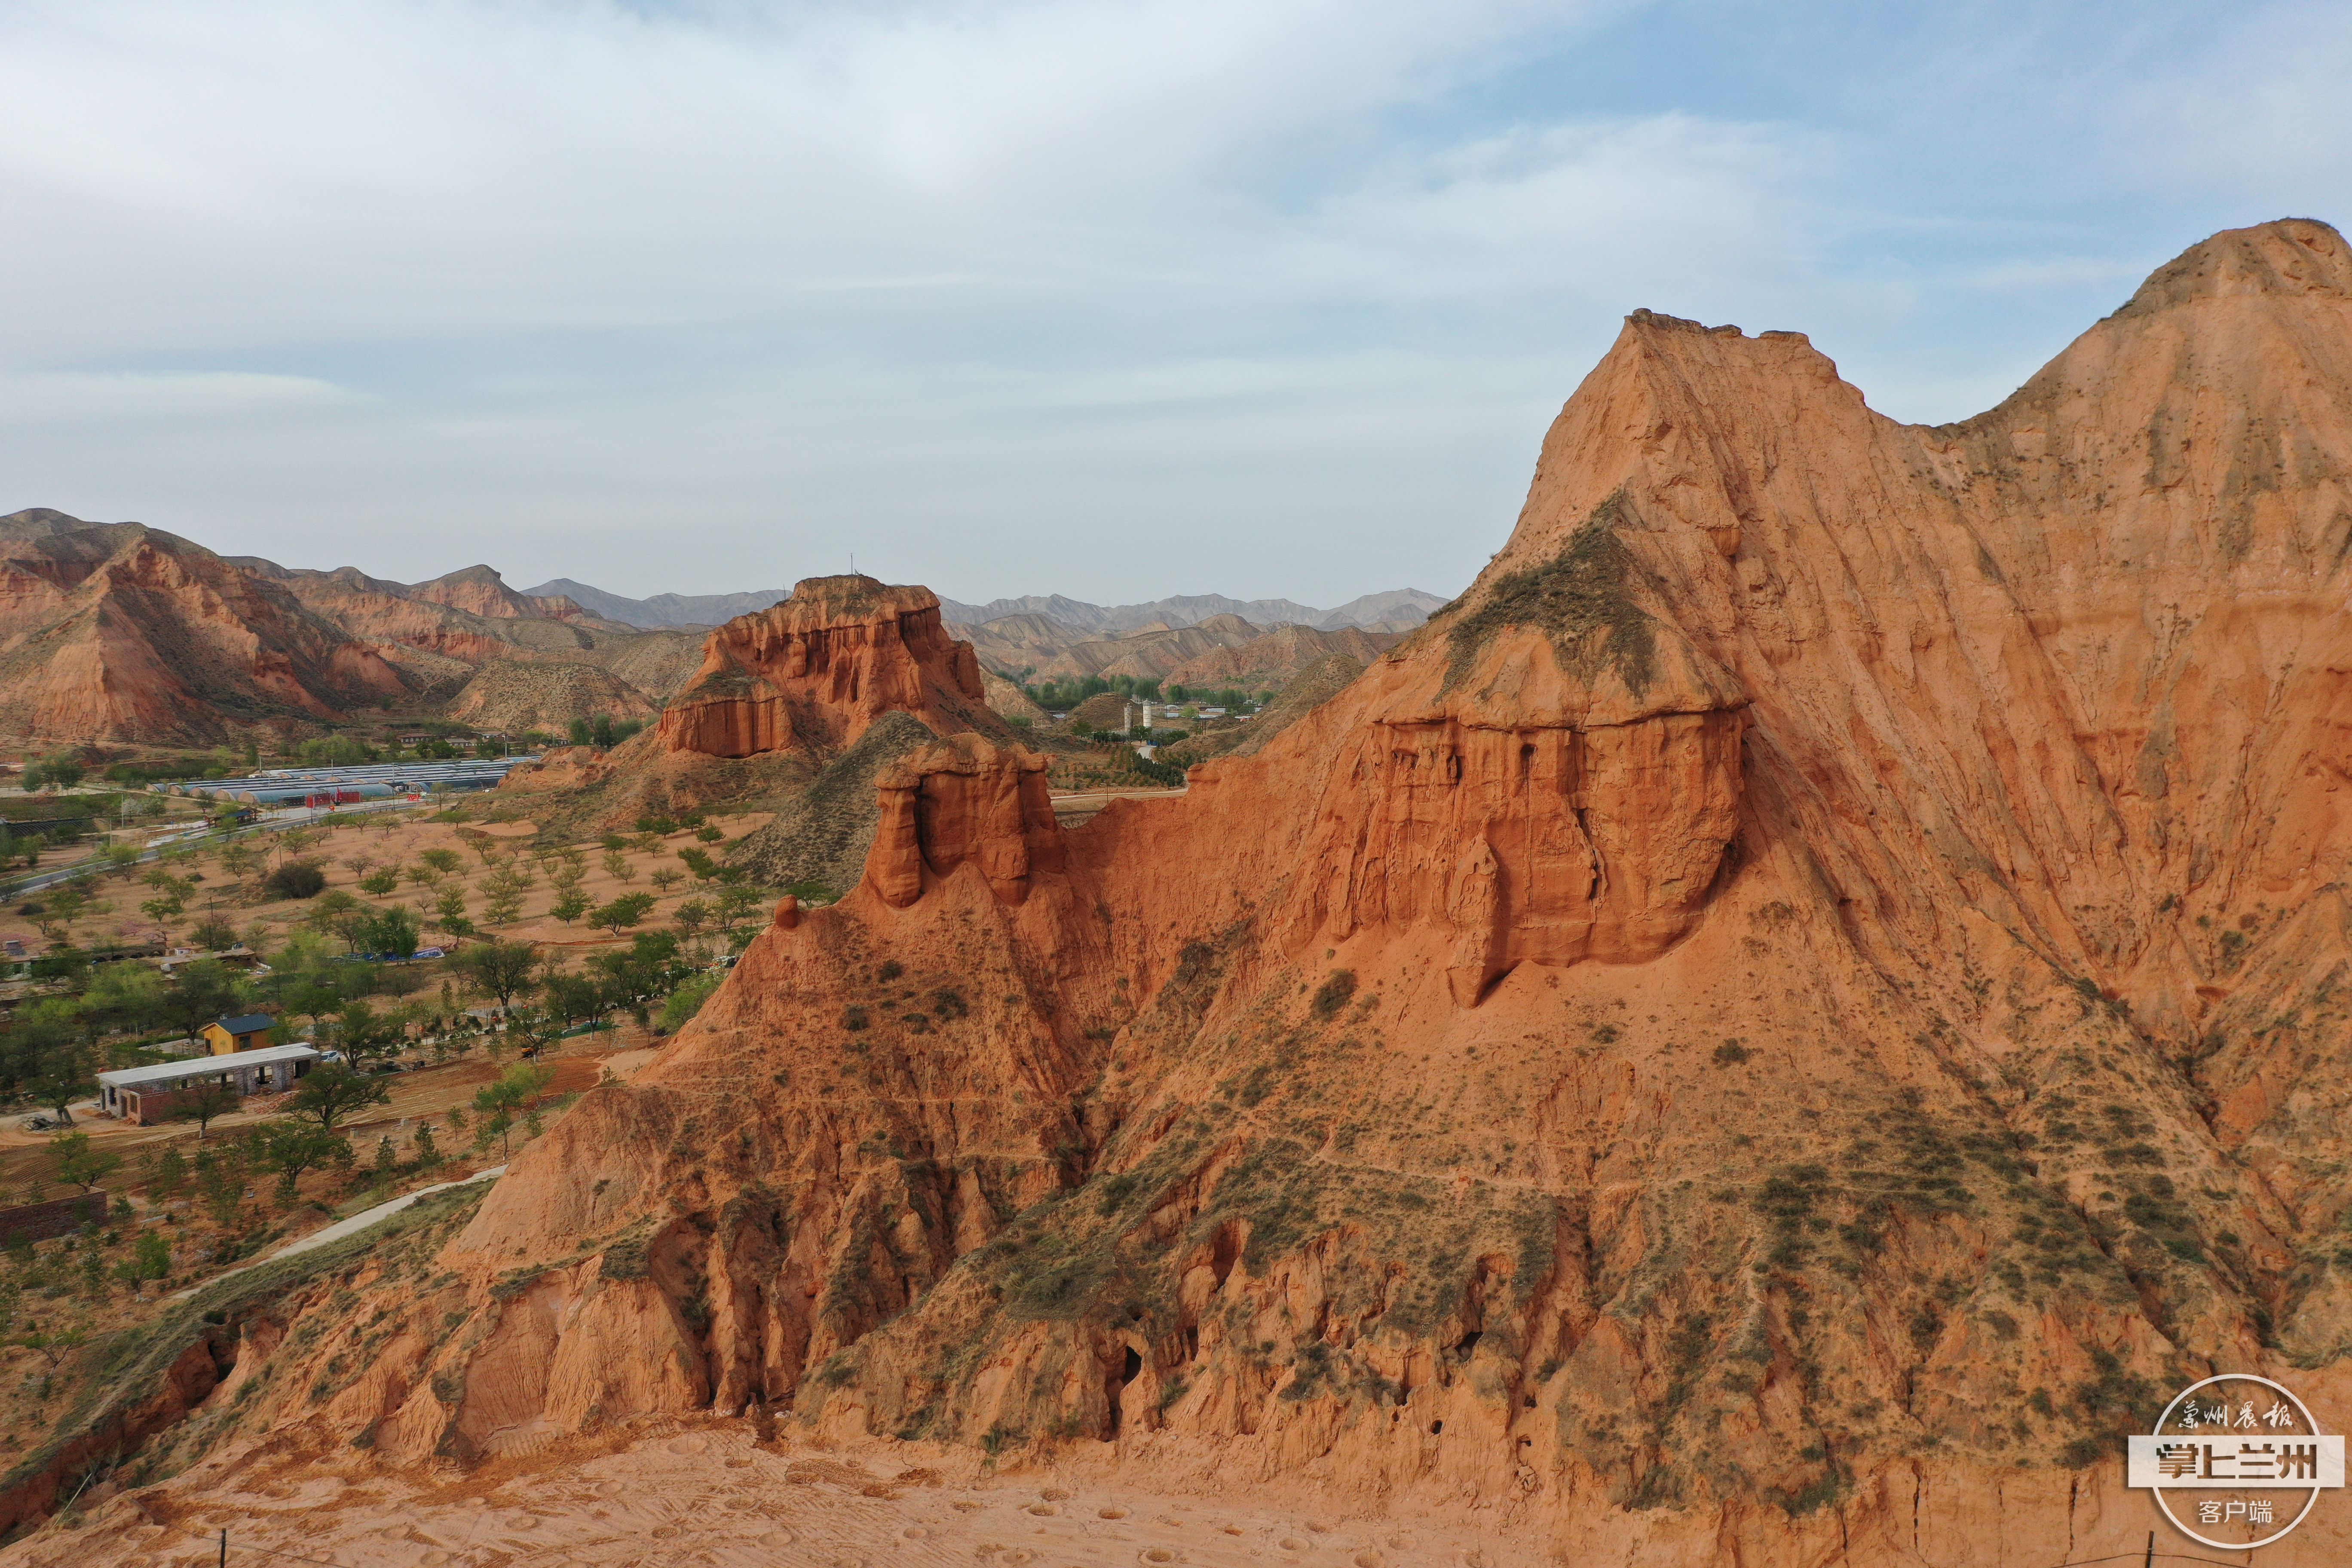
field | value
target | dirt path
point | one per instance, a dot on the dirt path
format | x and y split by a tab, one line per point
350	1226
700	1492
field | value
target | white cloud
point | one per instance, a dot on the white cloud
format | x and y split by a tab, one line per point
103	397
1035	295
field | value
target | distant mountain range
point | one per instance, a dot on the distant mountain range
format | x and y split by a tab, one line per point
123	633
1398	609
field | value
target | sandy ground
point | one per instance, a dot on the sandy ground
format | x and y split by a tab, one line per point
398	838
700	1492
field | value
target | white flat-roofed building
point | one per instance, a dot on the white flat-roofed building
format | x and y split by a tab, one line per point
146	1095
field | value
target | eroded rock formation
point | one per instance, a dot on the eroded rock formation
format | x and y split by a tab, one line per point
812	673
964	800
120	631
1769	1031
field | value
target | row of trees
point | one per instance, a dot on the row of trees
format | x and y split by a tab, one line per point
1229	698
602	730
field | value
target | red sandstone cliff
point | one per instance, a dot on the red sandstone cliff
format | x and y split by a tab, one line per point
1768	1032
123	632
813	672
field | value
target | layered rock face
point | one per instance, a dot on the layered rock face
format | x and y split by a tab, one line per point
113	632
126	632
964	800
1773	1030
813	672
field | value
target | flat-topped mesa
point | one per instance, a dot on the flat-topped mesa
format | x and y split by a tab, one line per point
813	672
963	800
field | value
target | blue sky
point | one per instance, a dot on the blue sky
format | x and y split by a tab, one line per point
1110	299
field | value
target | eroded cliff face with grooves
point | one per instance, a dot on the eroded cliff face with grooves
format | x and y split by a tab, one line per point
813	672
1773	1030
125	632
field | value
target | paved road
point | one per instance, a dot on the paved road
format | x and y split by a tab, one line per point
343	1227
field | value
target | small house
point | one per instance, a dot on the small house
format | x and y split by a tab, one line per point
146	1095
228	1036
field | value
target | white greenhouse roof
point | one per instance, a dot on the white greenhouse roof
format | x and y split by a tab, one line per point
204	1067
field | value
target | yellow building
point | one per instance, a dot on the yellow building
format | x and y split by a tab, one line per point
243	1033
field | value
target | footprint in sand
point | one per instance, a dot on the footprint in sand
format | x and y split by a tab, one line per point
1291	1544
1111	1514
1401	1542
1368	1558
1043	1510
775	1540
1155	1555
688	1445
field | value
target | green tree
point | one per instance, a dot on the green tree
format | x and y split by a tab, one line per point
333	1093
294	1148
578	998
444	861
392	929
429	1154
361	1034
75	1161
294	879
698	861
61	1074
626	911
382	882
170	1176
569	905
516	1093
124	998
201	992
736	904
648	969
151	1258
685	1002
449	911
504	970
313	997
333	909
213	933
61	906
220	1179
58	770
203	1103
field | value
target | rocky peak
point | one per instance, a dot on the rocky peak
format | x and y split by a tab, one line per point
478	590
2287	255
815	671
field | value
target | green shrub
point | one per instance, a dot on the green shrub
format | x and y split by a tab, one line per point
294	879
